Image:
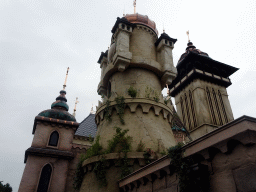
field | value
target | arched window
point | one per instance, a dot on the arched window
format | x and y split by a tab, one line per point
45	177
54	138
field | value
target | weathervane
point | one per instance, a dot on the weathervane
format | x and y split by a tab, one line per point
188	36
134	4
65	82
76	101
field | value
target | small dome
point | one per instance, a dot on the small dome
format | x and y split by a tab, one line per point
57	114
141	19
192	48
60	102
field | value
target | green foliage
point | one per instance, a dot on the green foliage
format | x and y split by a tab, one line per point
156	97
120	107
187	179
125	170
5	188
163	153
147	92
120	141
147	154
91	139
140	147
132	92
100	172
123	144
107	111
95	149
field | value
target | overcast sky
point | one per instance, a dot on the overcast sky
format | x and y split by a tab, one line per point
40	39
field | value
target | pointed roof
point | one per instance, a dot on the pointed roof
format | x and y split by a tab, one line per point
87	127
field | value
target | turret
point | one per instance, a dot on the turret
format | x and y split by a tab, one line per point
134	71
200	91
137	60
48	157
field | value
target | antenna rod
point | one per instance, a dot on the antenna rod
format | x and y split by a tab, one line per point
65	82
76	101
188	36
134	4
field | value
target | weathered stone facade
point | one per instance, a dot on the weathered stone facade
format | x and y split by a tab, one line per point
137	60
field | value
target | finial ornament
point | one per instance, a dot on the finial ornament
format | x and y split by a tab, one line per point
163	29
65	82
134	4
76	101
188	36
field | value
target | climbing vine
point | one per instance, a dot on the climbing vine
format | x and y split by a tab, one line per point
120	107
187	180
100	172
95	149
108	111
148	90
156	96
120	143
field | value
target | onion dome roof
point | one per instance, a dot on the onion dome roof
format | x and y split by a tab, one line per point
60	102
192	48
59	109
141	19
57	114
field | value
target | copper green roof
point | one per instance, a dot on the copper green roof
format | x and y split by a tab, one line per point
57	114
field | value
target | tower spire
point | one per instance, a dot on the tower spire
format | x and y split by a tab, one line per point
134	4
76	101
65	82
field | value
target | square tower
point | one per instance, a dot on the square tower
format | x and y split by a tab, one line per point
200	91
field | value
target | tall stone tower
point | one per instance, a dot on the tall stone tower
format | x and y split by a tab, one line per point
200	91
137	60
47	159
135	69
